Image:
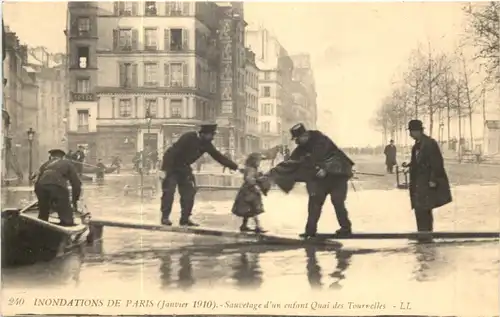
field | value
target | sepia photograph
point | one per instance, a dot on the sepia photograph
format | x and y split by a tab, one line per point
197	158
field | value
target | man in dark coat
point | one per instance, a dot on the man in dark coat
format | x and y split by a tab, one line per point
390	156
176	165
429	185
79	157
334	169
52	191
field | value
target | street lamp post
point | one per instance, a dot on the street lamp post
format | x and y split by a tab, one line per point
143	159
31	135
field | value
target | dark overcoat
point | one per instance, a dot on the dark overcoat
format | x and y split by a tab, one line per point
390	155
427	165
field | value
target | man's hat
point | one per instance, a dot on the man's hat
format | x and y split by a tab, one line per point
297	130
57	152
208	128
415	125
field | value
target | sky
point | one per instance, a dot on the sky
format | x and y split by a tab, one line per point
357	49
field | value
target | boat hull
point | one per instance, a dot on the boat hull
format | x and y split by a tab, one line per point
27	240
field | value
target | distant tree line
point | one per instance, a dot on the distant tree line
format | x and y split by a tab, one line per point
440	87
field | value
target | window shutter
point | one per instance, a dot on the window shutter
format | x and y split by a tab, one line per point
185	75
135	43
116	8
185	39
166	38
134	8
135	81
116	35
168	8
185	8
166	74
123	74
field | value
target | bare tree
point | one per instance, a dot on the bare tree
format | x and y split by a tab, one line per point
484	33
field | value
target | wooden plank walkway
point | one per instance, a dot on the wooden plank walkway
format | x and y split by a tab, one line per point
98	225
411	235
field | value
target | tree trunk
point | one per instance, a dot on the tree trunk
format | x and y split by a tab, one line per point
469	104
459	106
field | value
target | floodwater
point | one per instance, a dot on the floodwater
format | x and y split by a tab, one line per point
439	278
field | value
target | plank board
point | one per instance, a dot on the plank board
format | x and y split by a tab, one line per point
411	235
265	238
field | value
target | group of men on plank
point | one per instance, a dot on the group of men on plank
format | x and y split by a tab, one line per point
429	186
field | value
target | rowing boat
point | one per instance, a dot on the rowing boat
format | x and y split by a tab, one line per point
28	240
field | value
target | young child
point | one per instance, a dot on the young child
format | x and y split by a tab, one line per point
248	202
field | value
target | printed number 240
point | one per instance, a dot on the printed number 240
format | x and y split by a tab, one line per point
16	301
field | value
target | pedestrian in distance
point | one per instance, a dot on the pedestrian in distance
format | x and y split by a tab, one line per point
429	186
390	153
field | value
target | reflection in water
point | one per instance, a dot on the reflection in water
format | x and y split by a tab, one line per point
61	271
186	279
427	261
314	274
247	272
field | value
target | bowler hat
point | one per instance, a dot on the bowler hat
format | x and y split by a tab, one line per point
415	125
57	152
297	130
208	128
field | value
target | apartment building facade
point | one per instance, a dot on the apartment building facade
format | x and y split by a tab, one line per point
152	73
20	109
303	74
232	115
252	103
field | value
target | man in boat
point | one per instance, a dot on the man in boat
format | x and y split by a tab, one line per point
390	156
176	170
429	185
334	169
52	191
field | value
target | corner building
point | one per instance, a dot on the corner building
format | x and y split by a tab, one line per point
144	58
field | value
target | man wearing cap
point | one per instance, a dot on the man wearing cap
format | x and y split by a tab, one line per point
390	156
176	167
429	185
52	191
334	169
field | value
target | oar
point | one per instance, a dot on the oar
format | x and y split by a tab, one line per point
368	174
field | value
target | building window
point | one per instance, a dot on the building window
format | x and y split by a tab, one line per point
266	126
266	92
176	75
128	75
126	8
83	26
151	108
150	8
150	74
83	57
178	39
83	85
176	7
83	120
125	40
125	108
150	39
176	108
267	109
